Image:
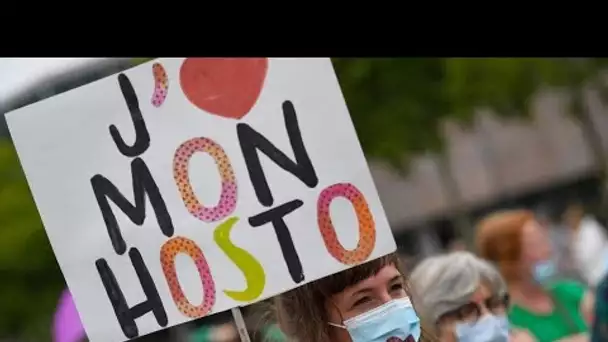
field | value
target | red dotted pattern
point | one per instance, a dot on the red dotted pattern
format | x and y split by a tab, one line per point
367	227
167	259
227	202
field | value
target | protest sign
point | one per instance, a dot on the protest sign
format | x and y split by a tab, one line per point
186	187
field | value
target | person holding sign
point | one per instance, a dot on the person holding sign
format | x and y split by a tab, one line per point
549	309
367	303
185	187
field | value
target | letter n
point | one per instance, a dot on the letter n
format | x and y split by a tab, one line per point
251	141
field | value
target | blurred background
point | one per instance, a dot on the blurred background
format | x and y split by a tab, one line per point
448	140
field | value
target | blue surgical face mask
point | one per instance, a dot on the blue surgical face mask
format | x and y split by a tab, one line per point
489	328
396	318
544	271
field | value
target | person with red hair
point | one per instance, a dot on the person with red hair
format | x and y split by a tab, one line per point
548	308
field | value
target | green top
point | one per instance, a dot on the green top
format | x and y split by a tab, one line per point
560	323
272	333
202	334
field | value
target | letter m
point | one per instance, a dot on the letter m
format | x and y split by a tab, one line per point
143	185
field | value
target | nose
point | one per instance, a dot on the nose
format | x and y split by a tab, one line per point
385	297
483	311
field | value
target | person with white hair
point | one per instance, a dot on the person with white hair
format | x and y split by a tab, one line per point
589	243
464	297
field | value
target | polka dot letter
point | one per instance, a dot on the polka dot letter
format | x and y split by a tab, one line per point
167	258
161	85
367	227
227	202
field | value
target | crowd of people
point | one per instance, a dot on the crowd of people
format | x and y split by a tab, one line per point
528	280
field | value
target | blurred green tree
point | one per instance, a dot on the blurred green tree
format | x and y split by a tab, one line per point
141	60
30	279
398	104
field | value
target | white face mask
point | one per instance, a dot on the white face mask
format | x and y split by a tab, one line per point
393	321
488	328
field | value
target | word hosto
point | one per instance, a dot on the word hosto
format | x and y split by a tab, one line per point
253	144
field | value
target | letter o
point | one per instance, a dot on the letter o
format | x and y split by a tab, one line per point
181	160
367	227
168	253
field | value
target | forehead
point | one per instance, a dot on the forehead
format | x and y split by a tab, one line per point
482	293
532	231
386	274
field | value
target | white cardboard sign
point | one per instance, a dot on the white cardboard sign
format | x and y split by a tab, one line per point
186	187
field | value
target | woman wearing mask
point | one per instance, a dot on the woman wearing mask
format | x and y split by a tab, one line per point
367	303
549	309
465	298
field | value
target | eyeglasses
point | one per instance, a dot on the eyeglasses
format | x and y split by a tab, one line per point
471	312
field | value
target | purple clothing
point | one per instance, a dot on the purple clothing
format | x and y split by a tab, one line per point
67	326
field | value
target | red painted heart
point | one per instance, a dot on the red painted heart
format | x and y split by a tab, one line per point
227	87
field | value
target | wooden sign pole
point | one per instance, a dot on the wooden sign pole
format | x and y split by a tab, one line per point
240	324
